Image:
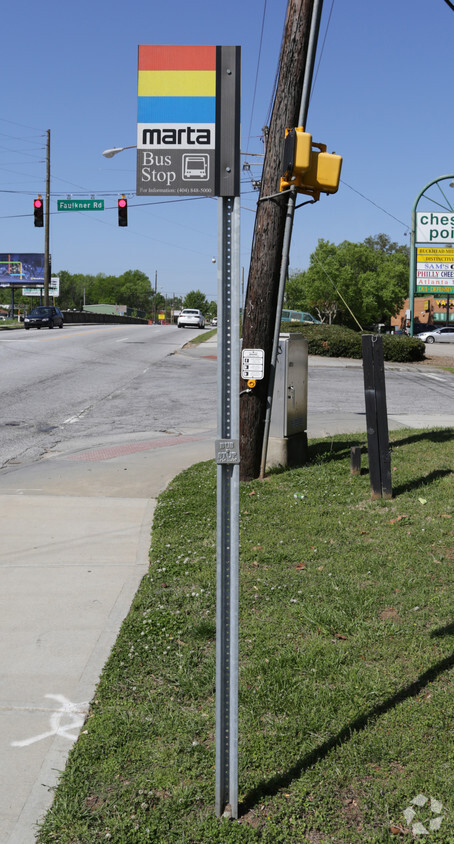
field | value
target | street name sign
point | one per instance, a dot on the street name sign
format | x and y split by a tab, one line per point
182	103
80	205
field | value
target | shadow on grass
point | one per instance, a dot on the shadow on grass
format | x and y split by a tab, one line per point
422	481
330	448
447	630
334	449
268	788
444	435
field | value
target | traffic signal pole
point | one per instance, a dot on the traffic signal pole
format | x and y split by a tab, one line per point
47	224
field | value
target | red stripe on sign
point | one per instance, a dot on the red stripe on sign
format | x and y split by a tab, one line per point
165	57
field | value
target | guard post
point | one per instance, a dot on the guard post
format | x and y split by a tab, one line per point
376	416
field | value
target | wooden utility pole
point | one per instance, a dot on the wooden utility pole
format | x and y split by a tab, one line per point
264	271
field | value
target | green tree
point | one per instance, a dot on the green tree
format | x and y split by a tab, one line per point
134	289
196	299
353	283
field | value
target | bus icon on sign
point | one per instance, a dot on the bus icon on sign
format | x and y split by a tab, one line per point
196	166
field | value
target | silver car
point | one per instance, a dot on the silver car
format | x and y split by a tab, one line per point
440	335
191	317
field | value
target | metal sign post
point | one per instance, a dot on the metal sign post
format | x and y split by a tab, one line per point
188	143
228	485
227	446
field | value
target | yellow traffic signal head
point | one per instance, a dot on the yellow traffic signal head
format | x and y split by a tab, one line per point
310	171
323	174
297	153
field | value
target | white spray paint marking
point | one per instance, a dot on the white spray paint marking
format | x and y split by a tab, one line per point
73	713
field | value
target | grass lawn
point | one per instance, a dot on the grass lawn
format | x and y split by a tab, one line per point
346	687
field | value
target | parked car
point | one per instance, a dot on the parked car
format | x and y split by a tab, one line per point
44	316
214	321
440	335
191	317
419	328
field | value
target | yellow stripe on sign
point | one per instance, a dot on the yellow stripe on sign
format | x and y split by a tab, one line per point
434	255
177	83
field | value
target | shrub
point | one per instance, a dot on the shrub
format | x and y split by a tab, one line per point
337	341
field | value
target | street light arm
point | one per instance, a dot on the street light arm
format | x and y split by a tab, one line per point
109	153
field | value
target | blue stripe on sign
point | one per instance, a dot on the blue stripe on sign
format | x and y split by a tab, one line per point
176	110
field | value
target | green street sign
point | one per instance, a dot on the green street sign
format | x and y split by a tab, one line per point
80	204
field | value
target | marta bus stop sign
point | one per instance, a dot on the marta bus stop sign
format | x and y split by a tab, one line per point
181	106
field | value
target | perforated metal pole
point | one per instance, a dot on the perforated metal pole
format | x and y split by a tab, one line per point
228	483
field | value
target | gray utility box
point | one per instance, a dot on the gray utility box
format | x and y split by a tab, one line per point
288	424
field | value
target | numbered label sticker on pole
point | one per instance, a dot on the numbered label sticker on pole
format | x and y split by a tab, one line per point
253	364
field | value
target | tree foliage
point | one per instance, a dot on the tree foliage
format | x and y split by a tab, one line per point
352	283
196	299
132	289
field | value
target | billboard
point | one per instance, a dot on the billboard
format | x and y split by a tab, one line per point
54	288
21	269
185	94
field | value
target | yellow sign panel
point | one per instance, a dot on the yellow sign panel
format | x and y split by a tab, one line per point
432	255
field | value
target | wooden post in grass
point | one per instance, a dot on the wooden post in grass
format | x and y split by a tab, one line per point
376	416
355	460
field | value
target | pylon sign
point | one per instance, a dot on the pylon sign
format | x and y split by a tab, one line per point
184	99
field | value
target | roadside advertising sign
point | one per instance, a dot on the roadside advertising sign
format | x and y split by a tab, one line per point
17	268
435	270
54	288
178	128
434	227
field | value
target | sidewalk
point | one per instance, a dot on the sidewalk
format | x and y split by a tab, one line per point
75	530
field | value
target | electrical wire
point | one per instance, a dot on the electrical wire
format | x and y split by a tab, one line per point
257	73
374	203
451	5
323	47
338	291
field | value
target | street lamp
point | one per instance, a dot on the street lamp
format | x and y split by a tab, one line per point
109	153
421	193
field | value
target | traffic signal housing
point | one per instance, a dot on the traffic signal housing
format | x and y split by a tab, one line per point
307	166
38	212
297	154
323	174
123	211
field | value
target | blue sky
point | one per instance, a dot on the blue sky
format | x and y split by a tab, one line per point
381	99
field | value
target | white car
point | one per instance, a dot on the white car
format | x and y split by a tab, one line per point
191	317
440	335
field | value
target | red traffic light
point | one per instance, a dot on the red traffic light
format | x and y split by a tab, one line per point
122	211
38	211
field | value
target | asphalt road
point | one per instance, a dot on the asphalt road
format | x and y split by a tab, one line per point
104	381
96	380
